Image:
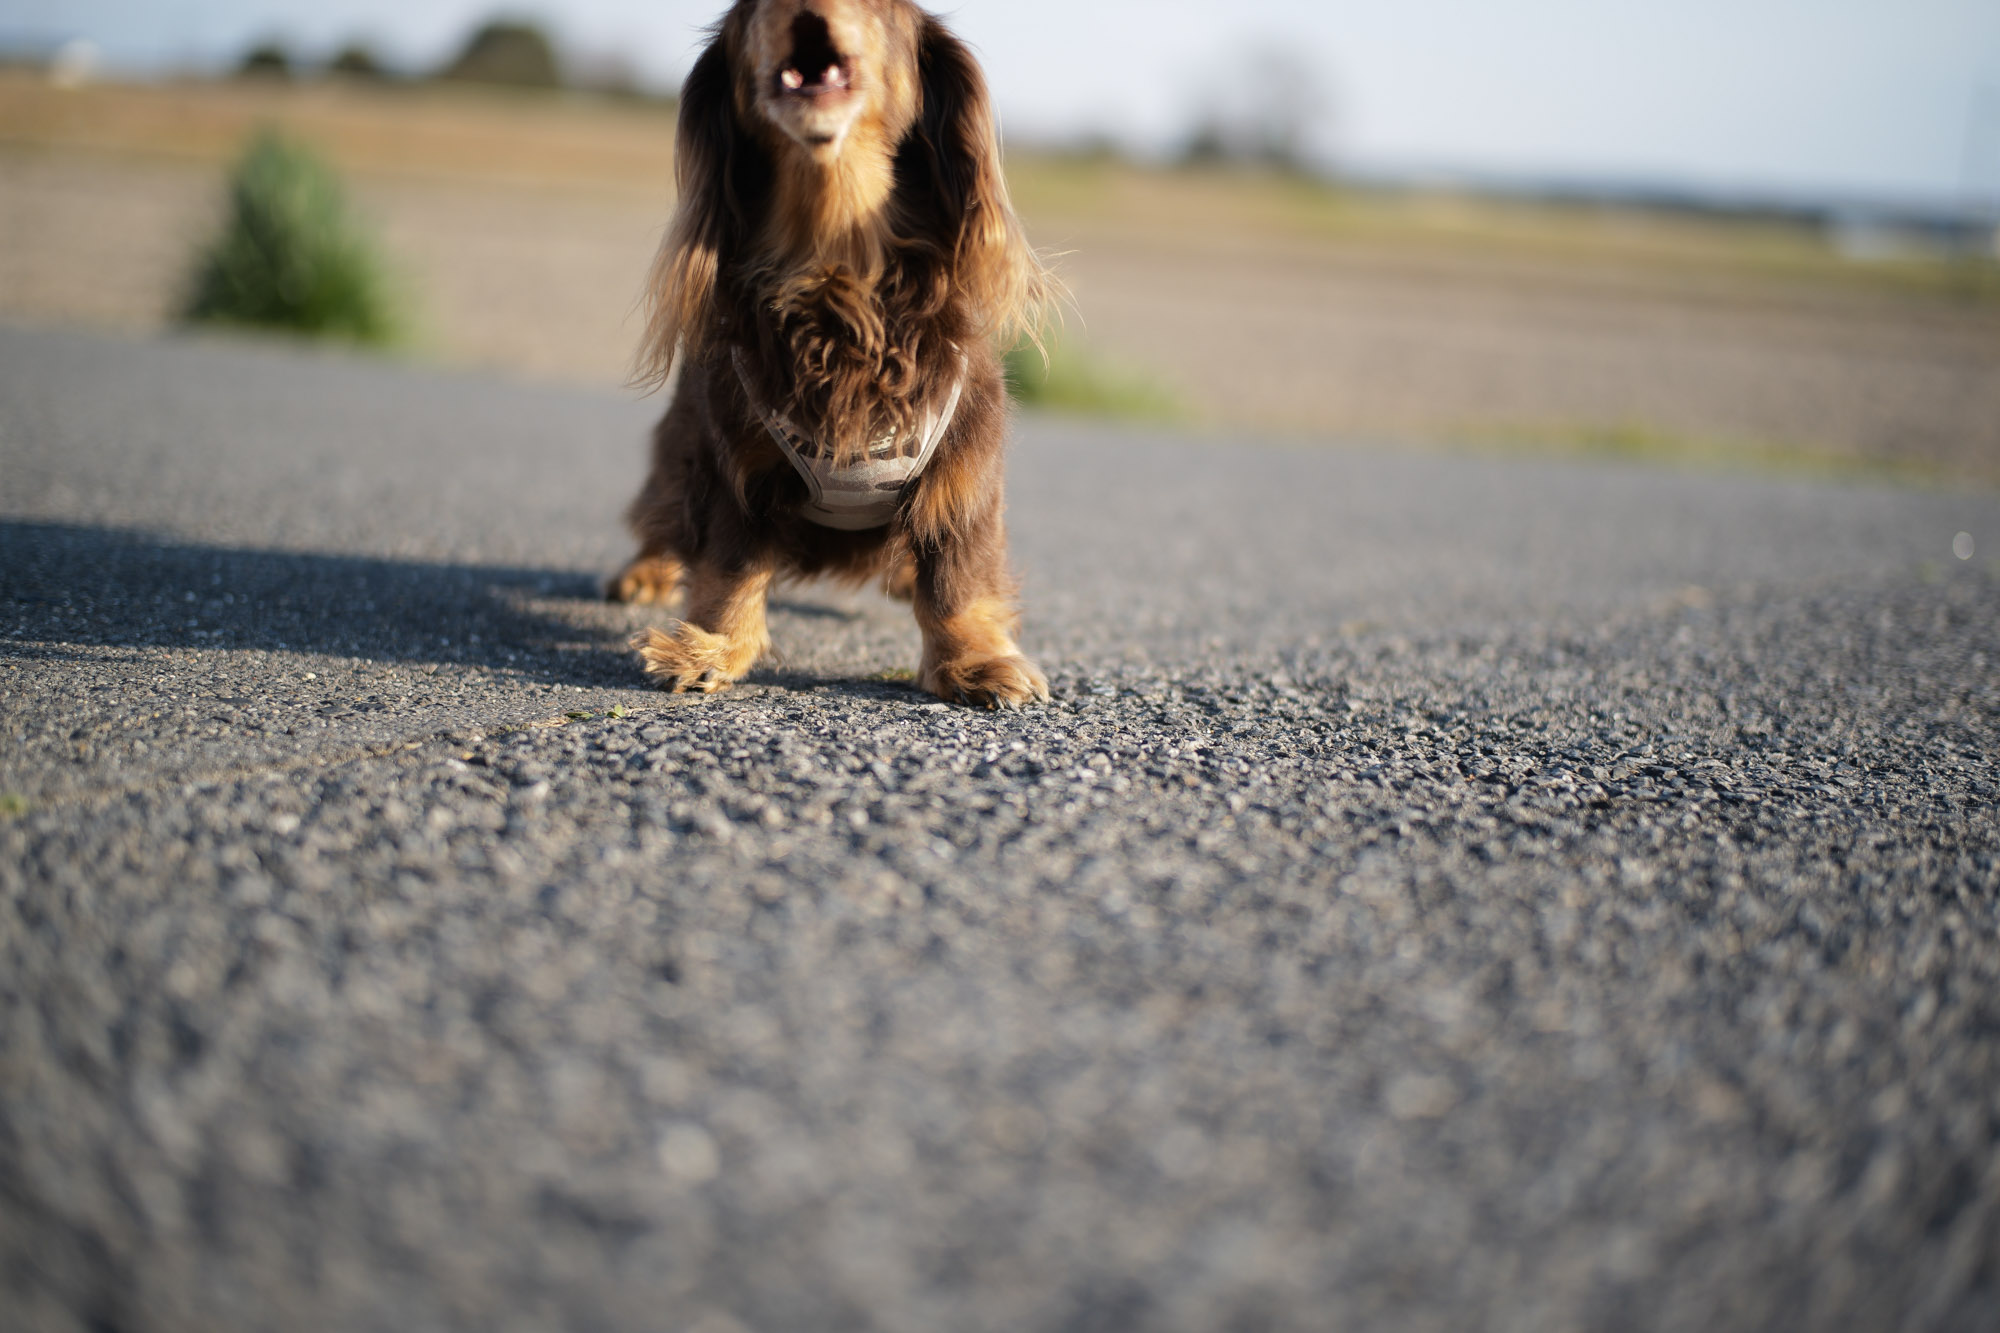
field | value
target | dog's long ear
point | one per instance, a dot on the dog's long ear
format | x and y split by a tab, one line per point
956	148
716	168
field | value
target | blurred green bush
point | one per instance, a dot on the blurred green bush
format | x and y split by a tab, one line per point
1066	379
291	255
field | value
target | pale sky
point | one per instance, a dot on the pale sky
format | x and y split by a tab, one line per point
1845	97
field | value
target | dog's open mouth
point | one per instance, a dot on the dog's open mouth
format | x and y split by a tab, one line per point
815	68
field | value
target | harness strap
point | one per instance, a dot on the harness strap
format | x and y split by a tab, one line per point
863	494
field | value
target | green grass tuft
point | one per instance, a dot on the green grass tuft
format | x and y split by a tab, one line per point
1074	382
291	255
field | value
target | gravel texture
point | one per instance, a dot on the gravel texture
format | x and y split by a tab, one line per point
1444	893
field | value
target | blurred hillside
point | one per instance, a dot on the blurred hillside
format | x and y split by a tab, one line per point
522	223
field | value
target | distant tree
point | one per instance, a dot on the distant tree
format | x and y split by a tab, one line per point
1269	109
266	60
507	52
357	60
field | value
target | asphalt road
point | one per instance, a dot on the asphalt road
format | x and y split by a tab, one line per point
1445	892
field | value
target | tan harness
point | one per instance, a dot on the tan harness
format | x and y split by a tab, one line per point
863	494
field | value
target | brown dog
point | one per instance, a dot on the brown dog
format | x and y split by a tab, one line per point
842	269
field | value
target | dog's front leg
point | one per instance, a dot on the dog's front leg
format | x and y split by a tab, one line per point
646	580
965	608
722	637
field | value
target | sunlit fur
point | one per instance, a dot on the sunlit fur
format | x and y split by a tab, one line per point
844	227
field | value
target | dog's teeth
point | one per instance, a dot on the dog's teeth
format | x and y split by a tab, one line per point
834	77
791	78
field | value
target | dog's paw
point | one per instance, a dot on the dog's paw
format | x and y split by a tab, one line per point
647	581
1007	681
689	658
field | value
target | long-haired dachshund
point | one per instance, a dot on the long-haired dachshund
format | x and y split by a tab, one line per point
841	272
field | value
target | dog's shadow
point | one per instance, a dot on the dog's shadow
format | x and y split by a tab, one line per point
815	611
67	586
900	688
70	587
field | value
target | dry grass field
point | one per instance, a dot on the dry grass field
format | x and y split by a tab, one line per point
521	226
